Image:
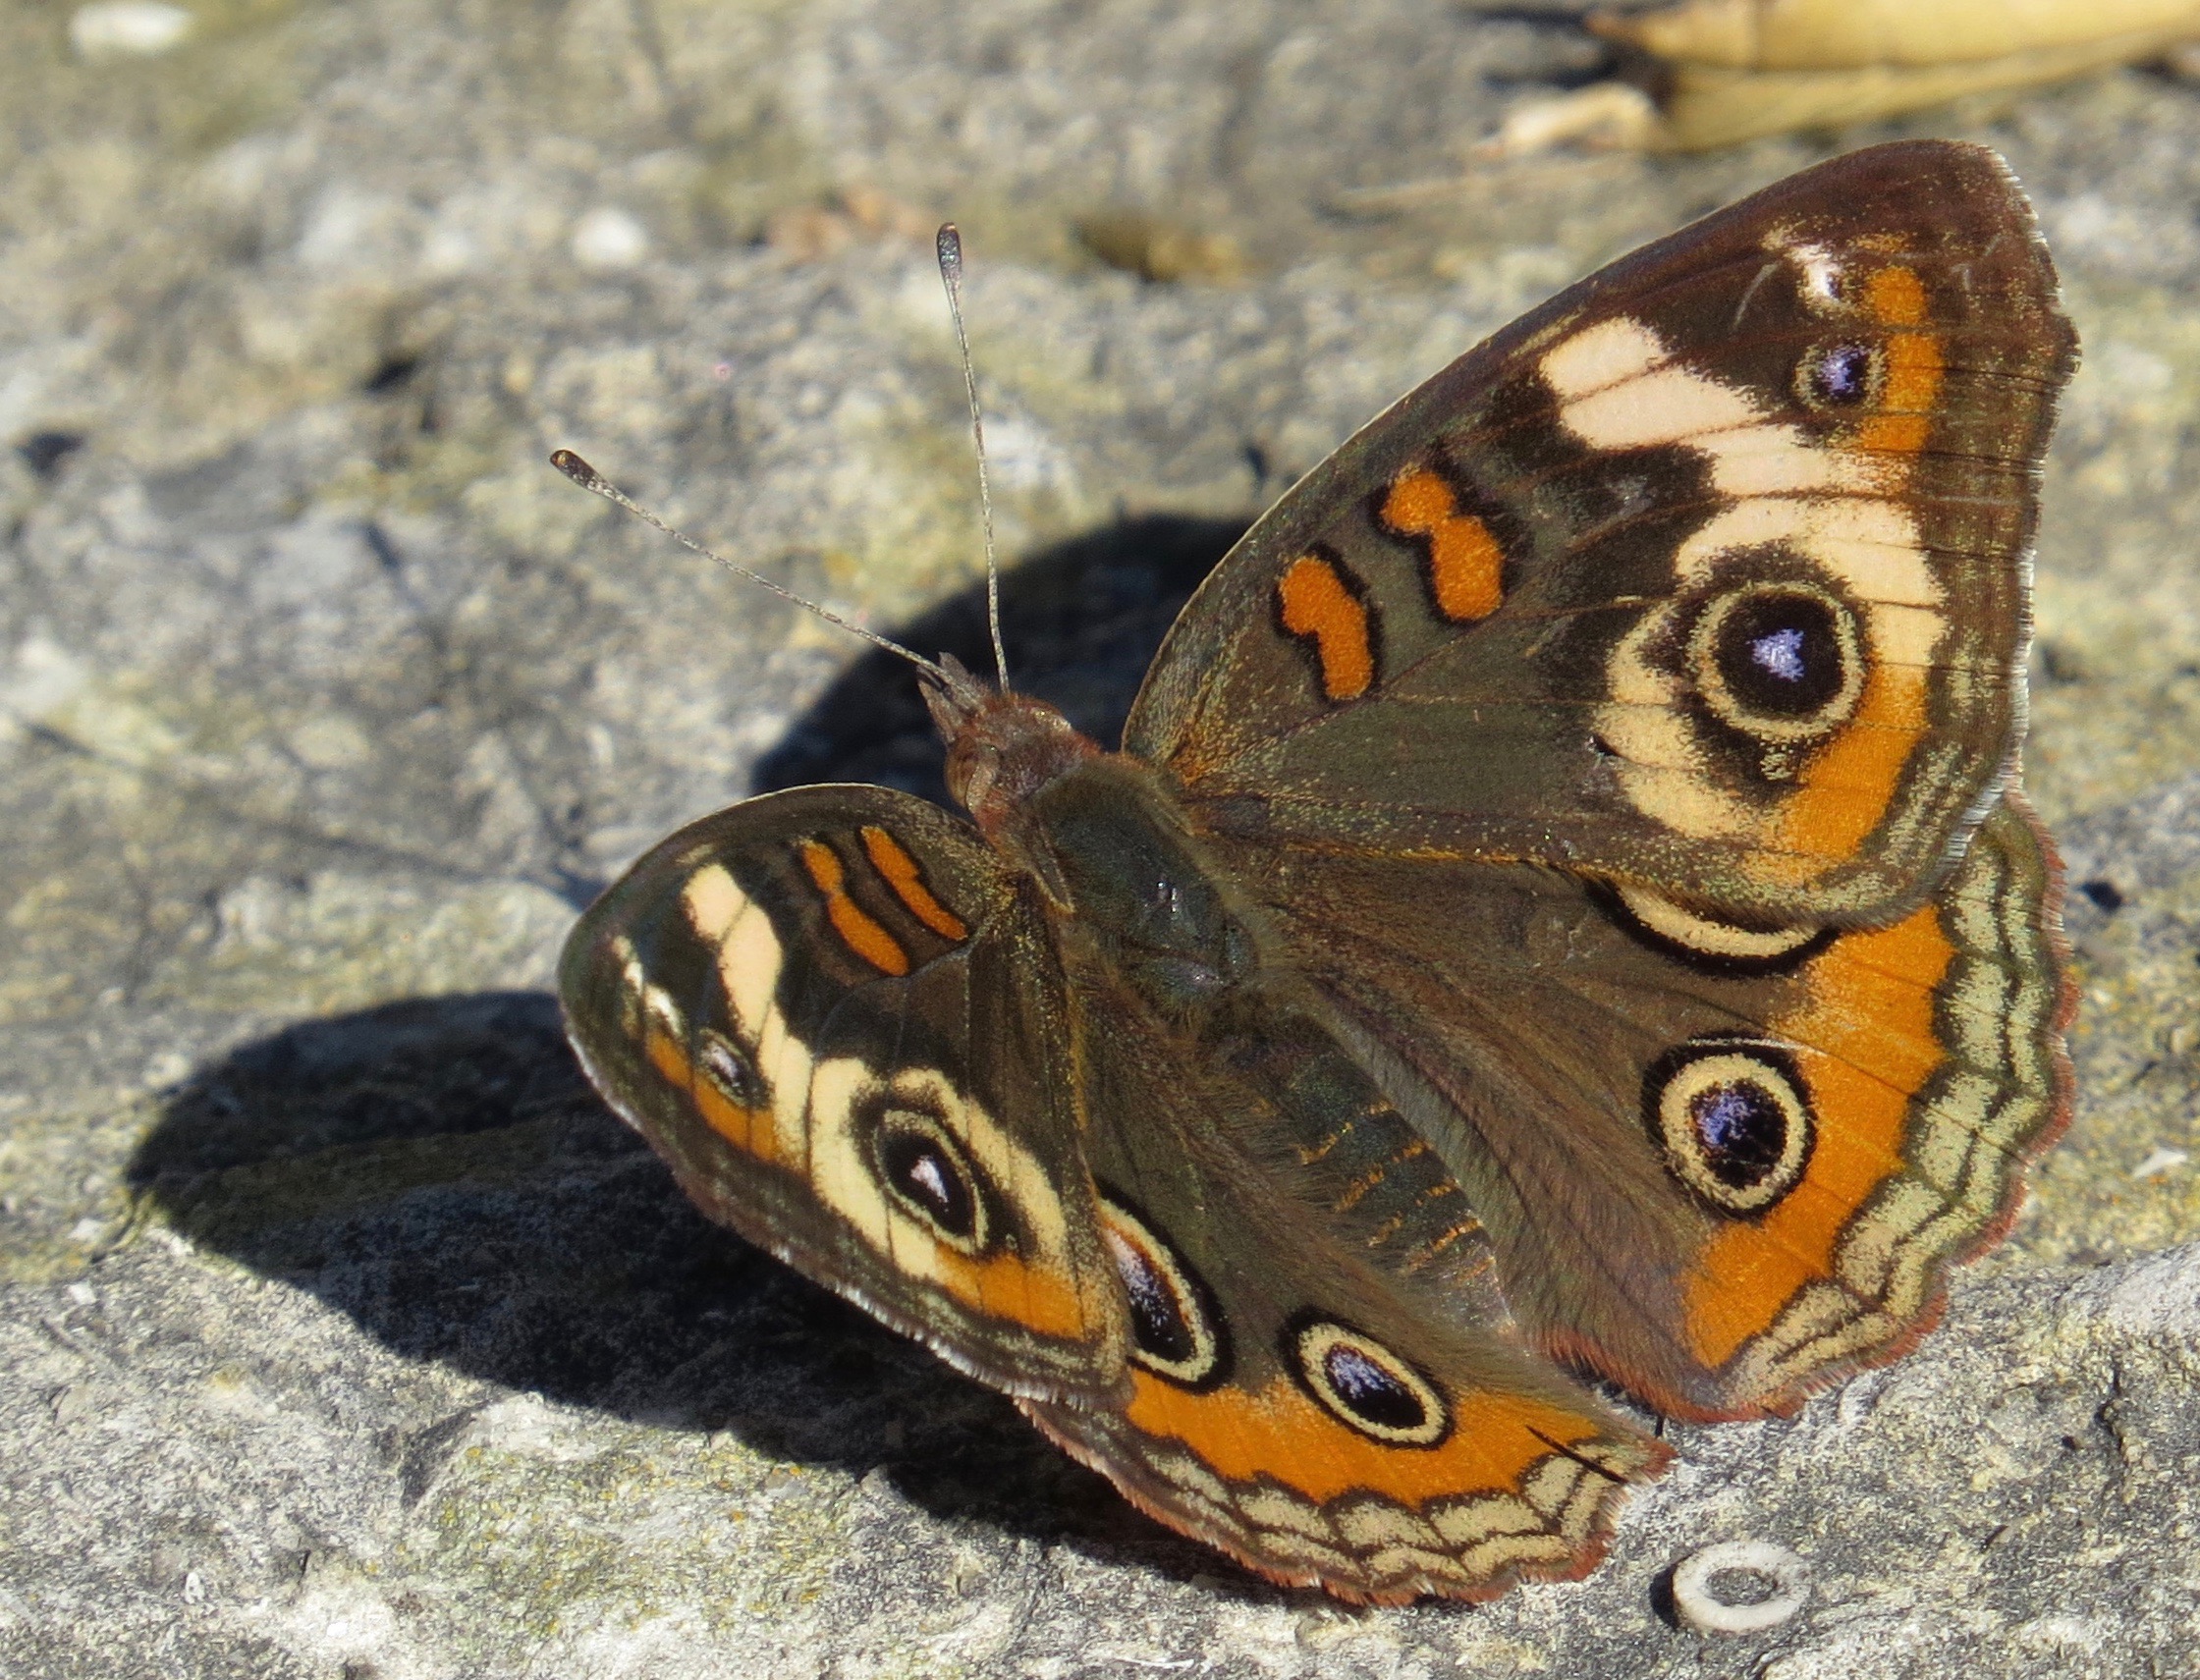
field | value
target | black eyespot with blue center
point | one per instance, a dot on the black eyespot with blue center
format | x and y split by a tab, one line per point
1780	654
1175	1330
1740	1129
729	1067
1838	376
1364	1384
1734	1119
924	1169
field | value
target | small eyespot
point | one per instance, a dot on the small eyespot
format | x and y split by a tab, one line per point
1364	1386
729	1068
1176	1331
1838	377
926	1172
1778	661
1734	1120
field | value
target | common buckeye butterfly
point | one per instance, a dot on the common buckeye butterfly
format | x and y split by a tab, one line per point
1562	911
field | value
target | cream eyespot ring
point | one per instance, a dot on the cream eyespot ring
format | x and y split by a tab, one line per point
928	1175
1176	1332
1363	1385
1778	661
1730	944
1734	1119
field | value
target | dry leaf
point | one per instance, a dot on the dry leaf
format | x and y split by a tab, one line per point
1159	249
1848	35
1733	70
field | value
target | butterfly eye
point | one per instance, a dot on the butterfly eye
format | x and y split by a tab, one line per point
1734	1120
729	1068
1778	661
925	1172
1175	1331
1838	377
1365	1385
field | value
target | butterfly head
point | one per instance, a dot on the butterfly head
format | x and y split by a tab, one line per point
1000	748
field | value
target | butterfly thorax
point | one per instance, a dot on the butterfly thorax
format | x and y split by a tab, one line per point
1103	837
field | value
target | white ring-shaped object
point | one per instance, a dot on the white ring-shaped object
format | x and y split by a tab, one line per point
1694	1602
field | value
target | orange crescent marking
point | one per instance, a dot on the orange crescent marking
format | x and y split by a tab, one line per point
738	1125
1044	1302
1867	1048
1315	603
1466	567
1846	789
899	870
857	929
667	1058
1244	1434
1896	297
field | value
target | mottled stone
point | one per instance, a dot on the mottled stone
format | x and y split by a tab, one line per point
345	1334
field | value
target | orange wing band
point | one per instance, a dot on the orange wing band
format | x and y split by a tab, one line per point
1866	1047
1896	297
859	931
900	872
1277	1431
1465	564
1315	603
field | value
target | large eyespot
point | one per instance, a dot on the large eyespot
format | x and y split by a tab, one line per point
927	1174
1364	1386
1778	661
1175	1330
1843	375
1734	1120
729	1067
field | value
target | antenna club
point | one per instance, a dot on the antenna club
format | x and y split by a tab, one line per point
948	244
576	470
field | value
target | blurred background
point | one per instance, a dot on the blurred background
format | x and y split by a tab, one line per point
346	1334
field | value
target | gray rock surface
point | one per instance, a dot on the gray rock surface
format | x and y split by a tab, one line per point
345	1336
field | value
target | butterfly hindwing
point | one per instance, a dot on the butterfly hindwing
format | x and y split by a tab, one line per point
1707	576
834	1016
1297	1400
1720	1177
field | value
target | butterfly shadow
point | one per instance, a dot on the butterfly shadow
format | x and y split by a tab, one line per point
437	1168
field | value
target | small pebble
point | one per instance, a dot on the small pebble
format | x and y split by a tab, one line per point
126	29
607	238
1702	1581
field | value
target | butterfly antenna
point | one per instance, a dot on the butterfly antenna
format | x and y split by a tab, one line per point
589	479
950	249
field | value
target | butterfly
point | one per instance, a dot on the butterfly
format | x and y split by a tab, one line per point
1562	918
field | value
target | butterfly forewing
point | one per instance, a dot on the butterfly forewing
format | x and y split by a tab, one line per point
1706	576
834	1016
